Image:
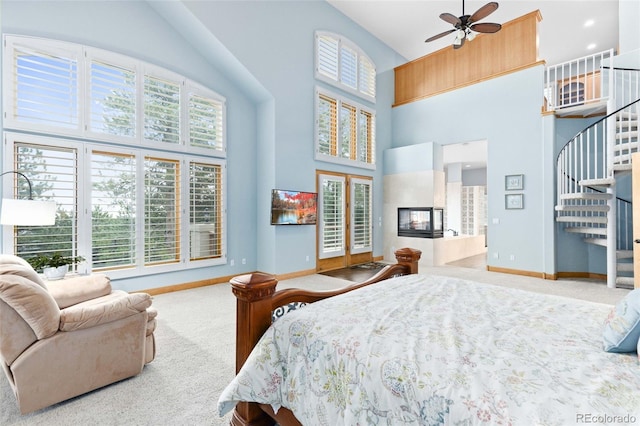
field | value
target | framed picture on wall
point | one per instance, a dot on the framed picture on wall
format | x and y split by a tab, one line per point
514	201
514	182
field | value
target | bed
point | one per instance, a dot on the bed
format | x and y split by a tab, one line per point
405	348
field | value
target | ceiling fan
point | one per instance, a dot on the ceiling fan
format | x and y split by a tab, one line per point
465	25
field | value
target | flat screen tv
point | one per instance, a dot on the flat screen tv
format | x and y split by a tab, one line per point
293	207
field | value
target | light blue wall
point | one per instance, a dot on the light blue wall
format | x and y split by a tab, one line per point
134	29
260	56
506	112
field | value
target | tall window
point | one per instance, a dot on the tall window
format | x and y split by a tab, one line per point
343	64
345	131
137	202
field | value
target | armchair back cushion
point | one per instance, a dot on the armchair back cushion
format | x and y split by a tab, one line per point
30	300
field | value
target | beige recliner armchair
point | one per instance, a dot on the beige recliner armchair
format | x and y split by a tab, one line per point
65	338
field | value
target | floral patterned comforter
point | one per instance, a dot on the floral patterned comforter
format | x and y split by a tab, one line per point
428	350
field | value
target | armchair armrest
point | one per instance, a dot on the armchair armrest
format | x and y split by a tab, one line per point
79	289
113	307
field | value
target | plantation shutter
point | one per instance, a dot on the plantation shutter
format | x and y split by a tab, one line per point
366	137
366	76
332	220
361	216
205	122
53	173
162	211
113	210
327	125
347	131
112	103
205	210
44	86
327	56
348	67
161	110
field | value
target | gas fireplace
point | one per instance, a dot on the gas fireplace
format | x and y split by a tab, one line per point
420	222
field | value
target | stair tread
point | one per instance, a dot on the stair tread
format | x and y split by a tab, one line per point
585	196
598	182
586	230
574	208
582	219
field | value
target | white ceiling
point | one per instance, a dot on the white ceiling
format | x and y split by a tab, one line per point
404	25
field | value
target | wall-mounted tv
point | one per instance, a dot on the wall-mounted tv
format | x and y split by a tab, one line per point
293	207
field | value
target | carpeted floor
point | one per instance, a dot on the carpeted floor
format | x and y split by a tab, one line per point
195	355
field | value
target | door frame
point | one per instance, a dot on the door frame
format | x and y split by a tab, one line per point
348	259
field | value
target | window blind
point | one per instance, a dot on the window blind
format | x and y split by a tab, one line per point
205	210
112	99
327	125
161	110
348	132
361	224
348	67
332	230
327	56
162	211
113	210
45	87
205	122
53	175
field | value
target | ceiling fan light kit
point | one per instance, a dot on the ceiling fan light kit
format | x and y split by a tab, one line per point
465	26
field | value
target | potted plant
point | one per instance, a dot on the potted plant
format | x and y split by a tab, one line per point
55	266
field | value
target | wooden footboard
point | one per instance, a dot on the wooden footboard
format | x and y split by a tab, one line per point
256	300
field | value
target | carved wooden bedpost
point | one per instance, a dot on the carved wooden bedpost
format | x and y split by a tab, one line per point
409	257
253	317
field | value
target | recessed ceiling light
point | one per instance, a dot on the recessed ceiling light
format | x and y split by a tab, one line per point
467	165
589	22
591	46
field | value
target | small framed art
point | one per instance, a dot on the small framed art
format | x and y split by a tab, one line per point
514	201
514	182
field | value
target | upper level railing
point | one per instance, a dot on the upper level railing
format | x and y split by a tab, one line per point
578	82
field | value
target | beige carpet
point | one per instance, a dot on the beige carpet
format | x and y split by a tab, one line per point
195	356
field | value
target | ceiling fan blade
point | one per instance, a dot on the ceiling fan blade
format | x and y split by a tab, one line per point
486	27
483	12
447	17
437	36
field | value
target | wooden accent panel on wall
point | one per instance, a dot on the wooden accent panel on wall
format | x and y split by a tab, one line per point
512	48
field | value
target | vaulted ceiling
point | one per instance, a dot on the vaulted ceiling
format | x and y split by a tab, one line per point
569	29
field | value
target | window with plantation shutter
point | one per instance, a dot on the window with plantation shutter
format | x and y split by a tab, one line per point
132	154
161	110
44	86
361	215
345	131
331	199
327	56
112	90
327	125
113	210
206	121
341	63
365	148
205	210
53	175
161	210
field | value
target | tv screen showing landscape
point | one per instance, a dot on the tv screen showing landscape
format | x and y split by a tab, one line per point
293	207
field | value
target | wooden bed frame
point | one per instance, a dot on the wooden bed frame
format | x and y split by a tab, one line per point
256	300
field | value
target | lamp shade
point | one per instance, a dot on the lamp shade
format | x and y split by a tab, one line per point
27	212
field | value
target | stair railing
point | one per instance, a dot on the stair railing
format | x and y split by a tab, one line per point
577	81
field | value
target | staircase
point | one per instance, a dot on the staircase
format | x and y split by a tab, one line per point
590	166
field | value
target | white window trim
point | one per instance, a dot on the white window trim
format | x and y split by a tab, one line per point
84	207
83	55
337	159
336	82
